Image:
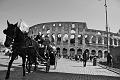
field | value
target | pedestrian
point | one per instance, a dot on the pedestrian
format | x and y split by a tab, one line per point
109	60
85	58
91	58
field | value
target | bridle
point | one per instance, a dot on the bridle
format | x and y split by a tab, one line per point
14	35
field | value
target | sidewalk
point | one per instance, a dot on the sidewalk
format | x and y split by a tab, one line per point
115	70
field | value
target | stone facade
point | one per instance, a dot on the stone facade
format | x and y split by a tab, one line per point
73	38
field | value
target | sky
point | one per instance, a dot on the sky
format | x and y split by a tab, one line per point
41	11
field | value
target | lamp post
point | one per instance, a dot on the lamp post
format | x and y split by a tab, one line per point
106	16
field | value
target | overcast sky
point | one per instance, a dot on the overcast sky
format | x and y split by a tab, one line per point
38	11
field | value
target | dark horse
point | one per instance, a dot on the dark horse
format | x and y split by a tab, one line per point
22	45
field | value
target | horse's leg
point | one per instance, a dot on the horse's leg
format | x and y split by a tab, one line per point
9	65
29	64
35	64
35	59
23	64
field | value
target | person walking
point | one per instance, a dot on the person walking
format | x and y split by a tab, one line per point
85	58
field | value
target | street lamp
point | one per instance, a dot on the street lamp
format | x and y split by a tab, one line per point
106	23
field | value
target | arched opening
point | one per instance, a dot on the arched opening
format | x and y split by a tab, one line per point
115	41
48	31
43	36
93	39
65	39
53	38
111	41
100	54
93	52
105	40
99	40
64	52
72	53
118	42
105	54
59	39
72	40
79	51
73	29
87	39
58	52
79	39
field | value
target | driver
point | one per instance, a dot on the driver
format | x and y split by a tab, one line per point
46	41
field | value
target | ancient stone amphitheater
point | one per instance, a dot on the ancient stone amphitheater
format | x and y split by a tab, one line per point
73	38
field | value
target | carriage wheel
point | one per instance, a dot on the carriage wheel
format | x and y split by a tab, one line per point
28	67
48	65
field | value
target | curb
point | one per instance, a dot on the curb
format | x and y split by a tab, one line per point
110	69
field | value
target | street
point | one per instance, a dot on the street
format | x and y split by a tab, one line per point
66	70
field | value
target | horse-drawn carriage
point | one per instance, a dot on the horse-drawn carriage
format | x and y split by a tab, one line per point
45	57
27	48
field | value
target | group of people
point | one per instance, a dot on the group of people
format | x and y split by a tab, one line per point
85	57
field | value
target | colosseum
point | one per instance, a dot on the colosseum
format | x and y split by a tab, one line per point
73	38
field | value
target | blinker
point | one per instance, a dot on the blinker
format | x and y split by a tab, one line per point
5	31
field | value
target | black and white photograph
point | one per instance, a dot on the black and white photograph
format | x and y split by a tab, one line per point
59	39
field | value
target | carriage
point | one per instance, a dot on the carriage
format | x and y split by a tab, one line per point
46	58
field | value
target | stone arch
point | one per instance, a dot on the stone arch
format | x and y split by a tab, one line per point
58	38
105	40
64	52
58	50
105	54
65	39
93	52
79	51
72	39
53	37
80	39
93	39
72	52
118	42
48	31
111	41
100	54
87	38
115	41
99	40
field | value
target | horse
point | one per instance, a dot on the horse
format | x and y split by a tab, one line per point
22	45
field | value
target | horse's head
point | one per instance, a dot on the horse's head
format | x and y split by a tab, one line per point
10	33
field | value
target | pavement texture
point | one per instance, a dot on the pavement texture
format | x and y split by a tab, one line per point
66	70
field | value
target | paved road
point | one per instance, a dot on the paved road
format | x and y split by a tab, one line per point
66	70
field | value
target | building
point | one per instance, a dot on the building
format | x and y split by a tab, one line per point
73	38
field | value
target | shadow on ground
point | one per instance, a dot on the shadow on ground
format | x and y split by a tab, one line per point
16	74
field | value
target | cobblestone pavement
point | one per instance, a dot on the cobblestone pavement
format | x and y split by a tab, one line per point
66	70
